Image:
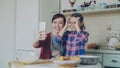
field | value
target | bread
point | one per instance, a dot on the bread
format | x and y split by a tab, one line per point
66	58
60	58
74	58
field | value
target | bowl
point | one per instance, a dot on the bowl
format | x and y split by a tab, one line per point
88	59
64	62
26	56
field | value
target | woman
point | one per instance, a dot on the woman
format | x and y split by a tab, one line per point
48	46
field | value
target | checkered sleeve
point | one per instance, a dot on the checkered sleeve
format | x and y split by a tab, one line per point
83	36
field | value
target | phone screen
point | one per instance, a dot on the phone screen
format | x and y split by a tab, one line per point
42	26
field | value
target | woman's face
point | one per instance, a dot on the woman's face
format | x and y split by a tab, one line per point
58	24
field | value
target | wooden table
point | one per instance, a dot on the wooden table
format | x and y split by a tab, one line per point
16	64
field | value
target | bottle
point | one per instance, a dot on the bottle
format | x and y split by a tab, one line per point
79	8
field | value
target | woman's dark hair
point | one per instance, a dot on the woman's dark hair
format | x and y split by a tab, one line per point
58	15
81	19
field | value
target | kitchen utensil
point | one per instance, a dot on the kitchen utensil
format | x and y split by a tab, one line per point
113	40
88	59
103	5
26	56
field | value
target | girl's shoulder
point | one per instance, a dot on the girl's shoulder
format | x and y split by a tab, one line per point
67	32
85	32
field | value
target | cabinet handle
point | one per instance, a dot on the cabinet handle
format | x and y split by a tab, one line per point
115	61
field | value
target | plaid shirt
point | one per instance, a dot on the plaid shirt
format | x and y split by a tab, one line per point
75	42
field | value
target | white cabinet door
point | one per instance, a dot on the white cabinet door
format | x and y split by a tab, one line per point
27	14
111	60
47	9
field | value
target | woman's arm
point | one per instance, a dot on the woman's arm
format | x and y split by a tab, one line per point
38	43
61	33
40	38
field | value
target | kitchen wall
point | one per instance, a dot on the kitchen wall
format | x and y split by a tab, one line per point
97	24
8	19
7	31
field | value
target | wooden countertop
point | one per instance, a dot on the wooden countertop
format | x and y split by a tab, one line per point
44	64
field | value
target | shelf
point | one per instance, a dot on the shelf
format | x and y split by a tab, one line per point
95	11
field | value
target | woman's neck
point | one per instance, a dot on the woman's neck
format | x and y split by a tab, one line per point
54	33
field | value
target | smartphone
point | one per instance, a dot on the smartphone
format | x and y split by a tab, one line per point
42	26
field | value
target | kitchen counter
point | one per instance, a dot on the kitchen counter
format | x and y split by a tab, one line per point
109	58
103	51
50	65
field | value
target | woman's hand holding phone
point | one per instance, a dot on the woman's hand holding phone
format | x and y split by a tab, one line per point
40	35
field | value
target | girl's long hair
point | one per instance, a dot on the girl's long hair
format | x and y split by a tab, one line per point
81	19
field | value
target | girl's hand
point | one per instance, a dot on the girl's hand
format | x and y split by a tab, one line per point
68	22
77	24
40	35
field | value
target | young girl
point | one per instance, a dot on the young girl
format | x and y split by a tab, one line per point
76	38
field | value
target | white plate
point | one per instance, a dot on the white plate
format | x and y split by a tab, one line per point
88	56
67	62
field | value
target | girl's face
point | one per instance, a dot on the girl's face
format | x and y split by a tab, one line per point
73	21
57	24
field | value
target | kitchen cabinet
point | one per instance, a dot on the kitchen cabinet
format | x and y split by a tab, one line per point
100	57
109	58
47	9
97	54
66	8
29	13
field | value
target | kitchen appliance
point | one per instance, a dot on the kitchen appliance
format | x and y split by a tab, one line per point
113	39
